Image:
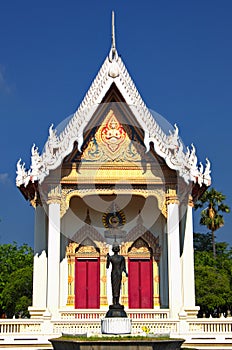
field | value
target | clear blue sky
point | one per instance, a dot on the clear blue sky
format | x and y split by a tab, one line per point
178	52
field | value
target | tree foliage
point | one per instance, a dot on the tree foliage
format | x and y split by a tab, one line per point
15	279
202	242
212	215
213	276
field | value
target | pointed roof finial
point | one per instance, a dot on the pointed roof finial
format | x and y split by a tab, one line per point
113	52
113	46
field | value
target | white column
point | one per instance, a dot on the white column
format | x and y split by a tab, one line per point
63	282
53	287
39	298
108	281
163	271
63	268
188	265
174	267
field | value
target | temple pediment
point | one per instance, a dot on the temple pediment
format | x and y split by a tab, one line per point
113	151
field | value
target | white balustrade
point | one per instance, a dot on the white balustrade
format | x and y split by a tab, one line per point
77	326
13	326
99	314
200	331
211	325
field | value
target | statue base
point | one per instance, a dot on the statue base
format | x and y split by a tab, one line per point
116	310
116	325
116	321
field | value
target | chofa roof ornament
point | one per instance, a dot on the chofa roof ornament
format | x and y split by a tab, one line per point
113	55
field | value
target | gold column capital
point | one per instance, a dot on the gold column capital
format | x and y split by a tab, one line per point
171	196
54	194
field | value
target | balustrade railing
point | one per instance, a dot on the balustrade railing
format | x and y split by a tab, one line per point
82	314
211	325
19	326
155	326
99	314
79	326
148	314
90	321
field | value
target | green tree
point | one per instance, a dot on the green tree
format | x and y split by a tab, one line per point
17	293
212	288
13	261
202	242
212	214
213	277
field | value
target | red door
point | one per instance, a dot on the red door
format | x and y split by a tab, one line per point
87	284
140	283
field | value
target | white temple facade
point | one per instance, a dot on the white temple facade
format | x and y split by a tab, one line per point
113	173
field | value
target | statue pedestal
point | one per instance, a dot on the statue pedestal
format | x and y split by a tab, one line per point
116	325
116	310
116	321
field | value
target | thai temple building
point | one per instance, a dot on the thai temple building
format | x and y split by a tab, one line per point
113	172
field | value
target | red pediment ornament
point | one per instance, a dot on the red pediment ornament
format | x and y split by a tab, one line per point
113	133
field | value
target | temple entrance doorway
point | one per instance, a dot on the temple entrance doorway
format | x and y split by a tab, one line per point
140	276
87	278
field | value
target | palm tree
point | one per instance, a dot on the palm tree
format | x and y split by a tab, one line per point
211	215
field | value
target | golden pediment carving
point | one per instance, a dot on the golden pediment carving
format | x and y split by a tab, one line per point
139	250
112	143
86	249
113	134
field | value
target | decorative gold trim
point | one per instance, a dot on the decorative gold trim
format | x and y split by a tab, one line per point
171	196
141	232
34	202
156	283
70	300
164	211
54	194
67	194
139	249
64	204
190	201
103	301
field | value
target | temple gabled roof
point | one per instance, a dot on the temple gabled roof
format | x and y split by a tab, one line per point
113	71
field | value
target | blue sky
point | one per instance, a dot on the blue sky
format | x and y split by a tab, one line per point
178	52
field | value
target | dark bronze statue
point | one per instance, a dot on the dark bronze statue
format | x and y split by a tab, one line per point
118	266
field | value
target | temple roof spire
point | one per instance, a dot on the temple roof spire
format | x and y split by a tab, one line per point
113	52
113	45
